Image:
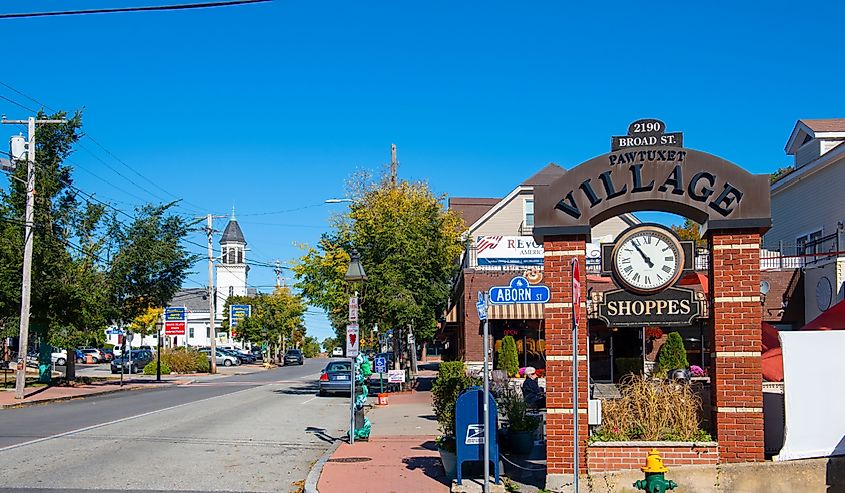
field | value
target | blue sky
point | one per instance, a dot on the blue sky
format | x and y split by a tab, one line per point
270	107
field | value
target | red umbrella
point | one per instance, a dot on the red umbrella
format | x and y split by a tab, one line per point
773	365
831	319
770	337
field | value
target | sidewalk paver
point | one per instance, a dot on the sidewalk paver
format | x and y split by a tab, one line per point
401	455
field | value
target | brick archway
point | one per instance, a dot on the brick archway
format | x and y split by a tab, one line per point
735	209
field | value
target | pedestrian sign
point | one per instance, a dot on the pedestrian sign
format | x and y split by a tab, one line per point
381	364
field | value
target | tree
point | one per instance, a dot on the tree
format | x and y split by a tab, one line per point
672	355
276	318
691	231
508	358
310	347
145	323
329	343
409	244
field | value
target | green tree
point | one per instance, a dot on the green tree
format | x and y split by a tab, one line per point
508	357
310	347
409	244
276	318
672	354
691	231
330	343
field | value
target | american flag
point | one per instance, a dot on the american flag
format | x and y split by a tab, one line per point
485	242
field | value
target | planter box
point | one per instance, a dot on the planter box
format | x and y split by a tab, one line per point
619	456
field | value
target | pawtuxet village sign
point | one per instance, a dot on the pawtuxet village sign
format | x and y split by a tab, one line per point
649	170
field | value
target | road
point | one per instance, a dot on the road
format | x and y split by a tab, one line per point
257	432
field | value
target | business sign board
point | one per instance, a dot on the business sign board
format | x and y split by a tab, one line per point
238	313
352	341
519	291
508	250
175	320
396	376
670	307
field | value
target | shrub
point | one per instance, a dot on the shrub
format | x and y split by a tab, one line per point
181	360
652	410
508	357
625	366
672	354
451	380
512	405
150	369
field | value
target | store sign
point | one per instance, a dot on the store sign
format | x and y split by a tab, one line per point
238	313
671	307
175	319
508	250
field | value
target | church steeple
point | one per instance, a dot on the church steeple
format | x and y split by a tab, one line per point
232	271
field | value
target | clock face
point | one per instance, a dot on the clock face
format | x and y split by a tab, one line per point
824	293
647	259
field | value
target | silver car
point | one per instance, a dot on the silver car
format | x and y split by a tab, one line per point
222	359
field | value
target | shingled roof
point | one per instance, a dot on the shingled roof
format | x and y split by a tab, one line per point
232	233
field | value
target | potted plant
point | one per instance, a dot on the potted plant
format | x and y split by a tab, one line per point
451	381
521	425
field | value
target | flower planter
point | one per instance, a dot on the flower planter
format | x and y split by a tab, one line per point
450	463
521	442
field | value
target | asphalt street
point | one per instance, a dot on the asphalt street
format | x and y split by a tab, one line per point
256	432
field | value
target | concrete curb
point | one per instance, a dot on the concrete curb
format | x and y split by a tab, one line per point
317	469
18	405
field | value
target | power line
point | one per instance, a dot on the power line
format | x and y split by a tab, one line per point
185	6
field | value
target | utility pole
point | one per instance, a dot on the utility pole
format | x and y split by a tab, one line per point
394	164
26	284
280	281
209	229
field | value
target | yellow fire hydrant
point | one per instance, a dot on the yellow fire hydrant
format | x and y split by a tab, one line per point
654	469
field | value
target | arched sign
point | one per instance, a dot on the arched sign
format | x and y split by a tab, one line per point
703	187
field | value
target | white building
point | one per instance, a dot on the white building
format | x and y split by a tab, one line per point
231	272
808	212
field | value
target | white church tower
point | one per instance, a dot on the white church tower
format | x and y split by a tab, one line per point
232	269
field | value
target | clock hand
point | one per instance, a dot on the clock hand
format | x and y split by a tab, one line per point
645	257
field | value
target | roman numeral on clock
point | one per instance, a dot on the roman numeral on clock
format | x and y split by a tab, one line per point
667	269
628	269
636	277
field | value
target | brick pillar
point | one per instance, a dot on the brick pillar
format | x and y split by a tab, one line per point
559	252
736	379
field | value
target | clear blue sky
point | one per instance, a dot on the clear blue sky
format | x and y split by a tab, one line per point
270	107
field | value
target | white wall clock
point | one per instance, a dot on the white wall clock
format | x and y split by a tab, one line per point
647	259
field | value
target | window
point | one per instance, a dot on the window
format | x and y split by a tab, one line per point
208	332
224	256
190	332
529	212
240	256
231	256
231	290
807	244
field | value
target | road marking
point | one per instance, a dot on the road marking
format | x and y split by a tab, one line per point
101	425
309	400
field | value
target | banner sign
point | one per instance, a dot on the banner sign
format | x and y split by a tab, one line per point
175	318
519	291
352	341
395	376
671	307
508	250
238	313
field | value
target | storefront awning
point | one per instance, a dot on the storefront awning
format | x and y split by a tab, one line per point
527	311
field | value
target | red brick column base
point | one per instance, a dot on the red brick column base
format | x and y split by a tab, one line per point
619	456
557	269
736	376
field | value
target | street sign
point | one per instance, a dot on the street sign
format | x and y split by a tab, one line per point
519	291
481	306
353	309
175	319
381	364
352	340
396	376
114	331
576	291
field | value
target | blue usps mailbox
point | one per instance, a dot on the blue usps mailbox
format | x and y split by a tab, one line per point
469	429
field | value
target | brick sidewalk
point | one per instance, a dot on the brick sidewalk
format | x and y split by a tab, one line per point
400	456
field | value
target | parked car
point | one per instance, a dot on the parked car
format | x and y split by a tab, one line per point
79	355
222	358
139	359
293	357
241	357
338	351
95	353
257	353
335	377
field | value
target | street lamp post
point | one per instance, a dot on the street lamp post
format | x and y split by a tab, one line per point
355	273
